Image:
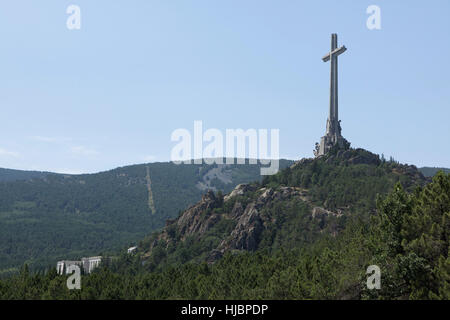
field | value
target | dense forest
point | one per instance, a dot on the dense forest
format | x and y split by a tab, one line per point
15	175
46	217
408	239
389	215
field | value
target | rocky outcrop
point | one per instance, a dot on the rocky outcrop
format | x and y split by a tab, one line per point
193	220
246	233
320	213
249	220
197	219
240	190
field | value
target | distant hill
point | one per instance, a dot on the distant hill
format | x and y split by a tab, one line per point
431	171
46	216
14	175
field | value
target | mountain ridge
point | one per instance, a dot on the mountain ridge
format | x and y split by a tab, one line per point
252	215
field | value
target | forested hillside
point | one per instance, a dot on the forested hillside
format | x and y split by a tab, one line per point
288	210
46	217
14	175
283	239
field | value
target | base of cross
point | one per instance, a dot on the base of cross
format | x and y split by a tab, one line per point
330	143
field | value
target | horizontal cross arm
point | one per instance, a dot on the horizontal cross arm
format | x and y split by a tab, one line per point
336	52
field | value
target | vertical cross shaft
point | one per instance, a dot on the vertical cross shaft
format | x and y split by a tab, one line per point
333	135
333	118
333	79
335	63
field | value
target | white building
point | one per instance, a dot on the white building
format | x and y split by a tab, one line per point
62	266
132	249
88	264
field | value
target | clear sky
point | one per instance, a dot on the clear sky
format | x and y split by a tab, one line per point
111	93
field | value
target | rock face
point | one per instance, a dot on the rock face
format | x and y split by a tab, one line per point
240	190
248	218
245	234
192	220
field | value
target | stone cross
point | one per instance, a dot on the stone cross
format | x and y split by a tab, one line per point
333	118
333	133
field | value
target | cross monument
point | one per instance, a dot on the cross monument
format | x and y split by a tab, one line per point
333	134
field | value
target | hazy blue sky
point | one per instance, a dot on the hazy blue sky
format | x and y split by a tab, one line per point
112	93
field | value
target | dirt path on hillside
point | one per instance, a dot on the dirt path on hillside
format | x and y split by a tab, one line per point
151	203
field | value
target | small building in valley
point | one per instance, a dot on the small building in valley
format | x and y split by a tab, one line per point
131	250
88	264
63	266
